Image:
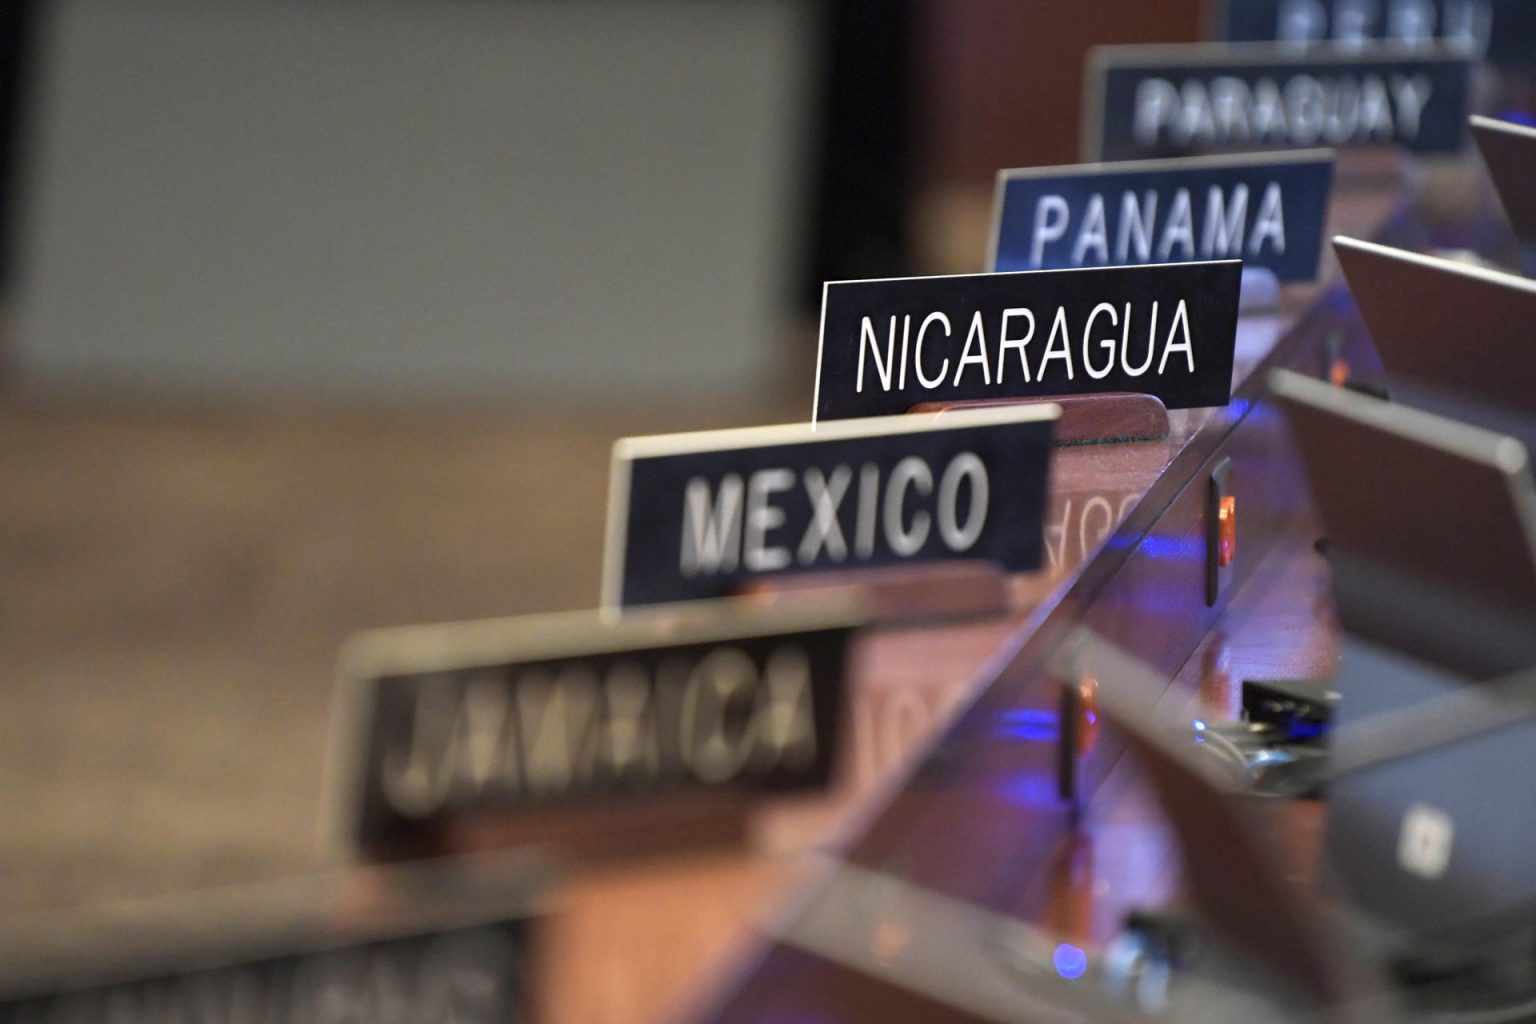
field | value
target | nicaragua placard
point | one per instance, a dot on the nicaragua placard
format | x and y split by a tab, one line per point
465	721
1267	210
700	515
1184	100
1167	330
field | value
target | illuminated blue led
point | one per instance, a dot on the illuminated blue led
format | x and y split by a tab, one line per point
1070	962
1199	725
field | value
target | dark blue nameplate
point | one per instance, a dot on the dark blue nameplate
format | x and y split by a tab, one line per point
1165	330
1503	31
466	722
1267	211
1151	101
699	515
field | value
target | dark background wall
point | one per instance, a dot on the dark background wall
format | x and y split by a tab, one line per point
1002	80
16	19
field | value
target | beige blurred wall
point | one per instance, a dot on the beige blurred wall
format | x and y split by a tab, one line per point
421	195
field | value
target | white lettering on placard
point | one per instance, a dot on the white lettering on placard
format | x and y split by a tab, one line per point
1270	223
703	523
726	678
762	517
900	511
1180	229
1336	110
965	468
1180	316
1098	373
711	529
1058	345
1094	234
508	734
825	495
1050	223
869	501
1018	344
1224	218
921	336
904	537
1137	221
975	352
1412	24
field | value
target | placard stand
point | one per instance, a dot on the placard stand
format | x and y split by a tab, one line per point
905	593
1085	419
589	830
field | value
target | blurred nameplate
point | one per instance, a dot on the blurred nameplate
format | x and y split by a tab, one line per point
1509	150
1503	31
278	953
1165	101
1266	210
700	515
466	723
1166	330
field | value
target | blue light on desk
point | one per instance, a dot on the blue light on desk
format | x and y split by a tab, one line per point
1154	546
1029	725
1070	962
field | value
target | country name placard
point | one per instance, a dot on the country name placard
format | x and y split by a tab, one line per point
468	722
1503	31
1267	210
701	515
474	976
1166	330
1184	100
419	943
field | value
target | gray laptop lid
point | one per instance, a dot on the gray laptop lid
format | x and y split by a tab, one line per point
1509	150
1447	503
1430	527
1449	325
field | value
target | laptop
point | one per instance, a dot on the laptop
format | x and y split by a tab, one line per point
1432	537
1444	328
1509	151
